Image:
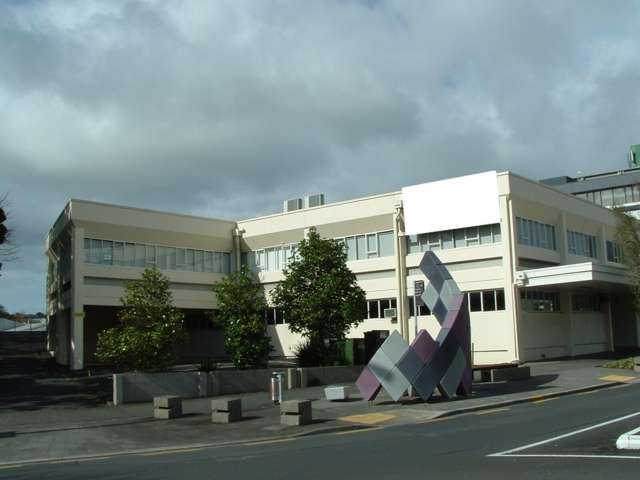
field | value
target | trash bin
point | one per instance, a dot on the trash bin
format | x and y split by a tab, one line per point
276	387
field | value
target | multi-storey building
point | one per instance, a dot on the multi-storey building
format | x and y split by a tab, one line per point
540	267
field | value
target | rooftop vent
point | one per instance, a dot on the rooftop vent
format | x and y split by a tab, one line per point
292	204
314	200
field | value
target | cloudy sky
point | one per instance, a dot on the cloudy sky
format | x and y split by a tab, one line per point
225	108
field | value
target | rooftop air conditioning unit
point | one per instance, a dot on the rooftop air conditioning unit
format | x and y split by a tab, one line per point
314	200
292	204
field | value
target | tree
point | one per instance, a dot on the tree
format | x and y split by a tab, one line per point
150	326
7	249
319	296
241	306
628	237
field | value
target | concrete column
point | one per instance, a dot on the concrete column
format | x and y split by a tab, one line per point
602	248
610	321
562	239
571	337
237	236
77	299
401	272
510	263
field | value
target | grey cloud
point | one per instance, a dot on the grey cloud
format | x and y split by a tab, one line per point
225	109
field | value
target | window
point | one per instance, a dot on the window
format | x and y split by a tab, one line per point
459	238
371	245
614	252
586	302
537	301
274	316
486	300
582	244
107	252
375	308
385	244
536	234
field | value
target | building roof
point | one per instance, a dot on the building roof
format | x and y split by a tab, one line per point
600	181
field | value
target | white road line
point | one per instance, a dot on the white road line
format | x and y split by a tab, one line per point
629	440
582	430
551	455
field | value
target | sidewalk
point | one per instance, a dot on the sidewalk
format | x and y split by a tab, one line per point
60	431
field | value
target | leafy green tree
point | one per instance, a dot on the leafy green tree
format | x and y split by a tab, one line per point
319	297
628	237
241	306
150	327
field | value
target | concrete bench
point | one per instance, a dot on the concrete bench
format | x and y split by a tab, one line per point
335	393
295	412
226	410
167	406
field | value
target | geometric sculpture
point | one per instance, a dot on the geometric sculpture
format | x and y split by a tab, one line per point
427	364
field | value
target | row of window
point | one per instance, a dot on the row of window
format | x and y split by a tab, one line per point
126	254
486	300
371	245
582	244
536	234
274	316
539	301
613	196
461	237
273	259
586	302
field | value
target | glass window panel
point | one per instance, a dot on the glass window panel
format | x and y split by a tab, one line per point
384	303
472	236
374	311
226	262
485	234
161	258
500	299
118	253
475	303
141	253
129	254
150	255
413	244
181	259
198	261
352	252
361	247
218	261
607	197
190	262
171	258
208	262
459	238
271	316
96	251
497	235
87	250
423	310
272	260
618	196
107	252
628	194
636	193
411	306
372	245
447	239
423	238
488	300
433	240
385	244
261	260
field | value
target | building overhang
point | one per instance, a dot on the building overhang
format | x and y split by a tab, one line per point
577	275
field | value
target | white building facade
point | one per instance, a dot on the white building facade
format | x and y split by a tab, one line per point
540	267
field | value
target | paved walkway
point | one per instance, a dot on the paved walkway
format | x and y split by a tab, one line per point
63	429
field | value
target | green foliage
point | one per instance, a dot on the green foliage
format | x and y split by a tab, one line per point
320	298
628	237
241	306
624	363
150	327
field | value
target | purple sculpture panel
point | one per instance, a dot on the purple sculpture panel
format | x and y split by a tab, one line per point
427	364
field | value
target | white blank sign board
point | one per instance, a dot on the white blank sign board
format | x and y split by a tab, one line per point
453	203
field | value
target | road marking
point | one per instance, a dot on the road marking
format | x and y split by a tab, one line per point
6	467
266	442
569	455
618	378
542	399
56	462
368	418
360	430
559	437
495	410
170	452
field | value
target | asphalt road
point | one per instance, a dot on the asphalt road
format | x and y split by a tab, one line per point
456	447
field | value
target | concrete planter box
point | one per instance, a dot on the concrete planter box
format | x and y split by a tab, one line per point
142	387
